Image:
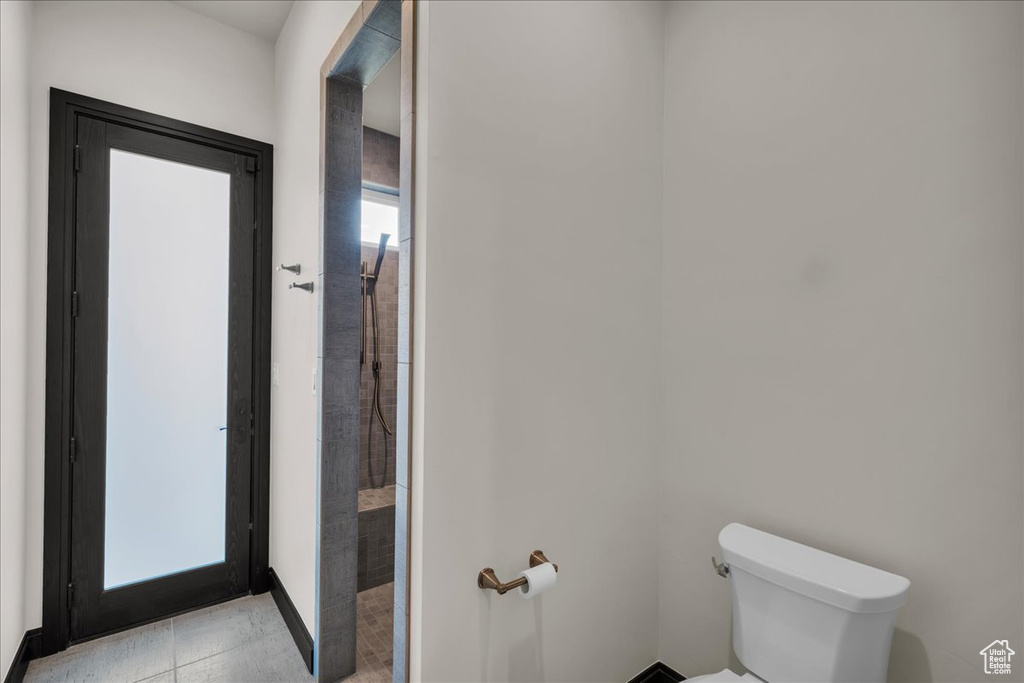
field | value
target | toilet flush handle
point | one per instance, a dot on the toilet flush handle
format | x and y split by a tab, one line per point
721	568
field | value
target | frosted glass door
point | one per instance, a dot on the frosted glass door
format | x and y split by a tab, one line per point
167	367
162	311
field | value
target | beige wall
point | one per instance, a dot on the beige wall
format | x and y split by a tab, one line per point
156	56
842	310
15	32
539	185
307	37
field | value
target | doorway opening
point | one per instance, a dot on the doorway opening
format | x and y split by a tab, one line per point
365	312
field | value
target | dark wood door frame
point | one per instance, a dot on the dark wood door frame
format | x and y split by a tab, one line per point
65	111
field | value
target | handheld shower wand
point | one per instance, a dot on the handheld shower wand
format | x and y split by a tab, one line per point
370	290
380	254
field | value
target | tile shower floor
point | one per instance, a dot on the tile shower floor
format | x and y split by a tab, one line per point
374	634
242	641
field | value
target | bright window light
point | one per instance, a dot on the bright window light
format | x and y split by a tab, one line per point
380	216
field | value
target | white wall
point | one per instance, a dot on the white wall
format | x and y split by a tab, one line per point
842	272
307	37
538	295
839	307
155	56
15	32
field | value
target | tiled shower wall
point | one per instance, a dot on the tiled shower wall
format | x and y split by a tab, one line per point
380	162
376	538
376	561
377	463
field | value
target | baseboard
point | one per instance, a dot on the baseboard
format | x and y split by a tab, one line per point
303	640
658	673
31	648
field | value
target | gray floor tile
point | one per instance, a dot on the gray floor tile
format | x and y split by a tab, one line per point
374	635
125	657
165	677
270	659
243	641
220	628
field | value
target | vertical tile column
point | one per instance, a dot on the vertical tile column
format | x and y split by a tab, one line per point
338	370
407	191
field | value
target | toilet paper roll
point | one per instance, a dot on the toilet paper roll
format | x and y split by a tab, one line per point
538	580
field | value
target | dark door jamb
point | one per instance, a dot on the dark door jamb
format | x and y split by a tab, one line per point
65	108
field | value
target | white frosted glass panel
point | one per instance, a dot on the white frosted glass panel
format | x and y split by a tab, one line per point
167	365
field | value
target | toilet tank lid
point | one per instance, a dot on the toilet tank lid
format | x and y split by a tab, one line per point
829	578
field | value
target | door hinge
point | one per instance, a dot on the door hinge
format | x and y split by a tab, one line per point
252	424
250	165
71	594
73	449
74	304
250	526
78	158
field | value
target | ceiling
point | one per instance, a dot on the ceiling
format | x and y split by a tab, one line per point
266	18
382	99
261	18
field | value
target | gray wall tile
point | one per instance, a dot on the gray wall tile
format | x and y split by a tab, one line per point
338	469
337	570
380	160
336	654
376	547
369	52
386	17
338	370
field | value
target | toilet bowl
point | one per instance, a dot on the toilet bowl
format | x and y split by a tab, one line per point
800	614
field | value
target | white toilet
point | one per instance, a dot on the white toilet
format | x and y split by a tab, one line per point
801	614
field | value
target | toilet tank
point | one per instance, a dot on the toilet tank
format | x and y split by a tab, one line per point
801	614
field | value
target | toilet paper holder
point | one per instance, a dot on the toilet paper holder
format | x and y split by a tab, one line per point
488	579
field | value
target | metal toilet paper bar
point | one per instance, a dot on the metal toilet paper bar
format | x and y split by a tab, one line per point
488	579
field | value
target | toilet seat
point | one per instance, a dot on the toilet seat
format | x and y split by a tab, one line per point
725	676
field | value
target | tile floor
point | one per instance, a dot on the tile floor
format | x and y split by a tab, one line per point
242	641
374	634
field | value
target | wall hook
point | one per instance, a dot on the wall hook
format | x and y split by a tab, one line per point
308	286
293	268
